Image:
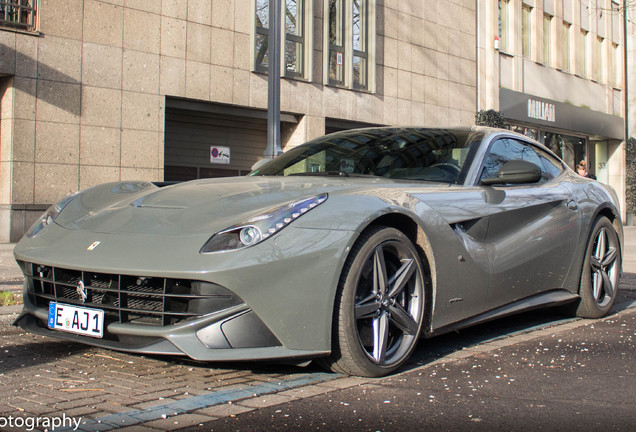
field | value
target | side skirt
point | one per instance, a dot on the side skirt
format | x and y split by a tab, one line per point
543	300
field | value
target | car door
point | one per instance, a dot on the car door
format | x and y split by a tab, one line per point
532	229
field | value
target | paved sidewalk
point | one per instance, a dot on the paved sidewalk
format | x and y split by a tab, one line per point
10	273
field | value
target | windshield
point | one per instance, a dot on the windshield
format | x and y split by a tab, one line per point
436	155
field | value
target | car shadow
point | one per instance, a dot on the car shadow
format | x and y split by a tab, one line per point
429	350
41	350
437	347
44	350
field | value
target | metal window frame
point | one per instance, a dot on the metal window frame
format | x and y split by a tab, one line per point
526	31
566	47
262	31
346	28
364	28
18	9
300	39
337	48
504	24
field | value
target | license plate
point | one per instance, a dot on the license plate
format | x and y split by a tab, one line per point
75	319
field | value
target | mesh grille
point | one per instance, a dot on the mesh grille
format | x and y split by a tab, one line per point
125	298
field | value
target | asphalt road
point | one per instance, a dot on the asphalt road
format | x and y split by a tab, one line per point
581	379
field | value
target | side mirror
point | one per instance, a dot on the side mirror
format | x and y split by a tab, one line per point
515	172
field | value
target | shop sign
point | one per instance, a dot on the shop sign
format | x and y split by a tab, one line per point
533	110
220	155
541	111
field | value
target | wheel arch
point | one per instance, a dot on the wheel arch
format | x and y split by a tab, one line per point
611	213
417	235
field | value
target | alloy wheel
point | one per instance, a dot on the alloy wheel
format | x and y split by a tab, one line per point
603	262
387	304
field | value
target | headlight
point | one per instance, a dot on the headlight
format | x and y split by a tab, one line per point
260	227
49	216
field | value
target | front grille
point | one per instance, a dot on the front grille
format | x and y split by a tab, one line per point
127	298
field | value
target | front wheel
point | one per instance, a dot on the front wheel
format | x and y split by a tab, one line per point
379	307
601	271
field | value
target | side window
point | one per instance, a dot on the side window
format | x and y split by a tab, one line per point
551	165
505	150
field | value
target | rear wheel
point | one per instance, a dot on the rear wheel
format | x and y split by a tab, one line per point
379	307
601	271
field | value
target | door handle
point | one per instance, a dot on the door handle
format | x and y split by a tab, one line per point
572	205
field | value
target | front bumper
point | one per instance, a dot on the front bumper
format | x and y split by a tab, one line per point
285	291
223	336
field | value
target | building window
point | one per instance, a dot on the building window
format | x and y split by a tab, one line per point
360	54
581	51
614	66
293	37
547	40
565	47
294	41
18	14
598	59
336	41
503	24
261	61
526	31
349	38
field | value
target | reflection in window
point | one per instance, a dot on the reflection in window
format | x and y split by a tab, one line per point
336	42
547	40
565	47
359	44
598	59
569	148
398	153
526	31
613	65
581	51
505	150
503	24
18	14
262	35
529	132
348	59
552	167
293	37
294	42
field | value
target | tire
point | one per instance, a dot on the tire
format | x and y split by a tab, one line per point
600	272
379	305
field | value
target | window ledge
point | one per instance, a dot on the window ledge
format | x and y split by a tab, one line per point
19	30
344	87
287	77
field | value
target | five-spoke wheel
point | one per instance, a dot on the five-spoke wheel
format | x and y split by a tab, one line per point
380	305
601	271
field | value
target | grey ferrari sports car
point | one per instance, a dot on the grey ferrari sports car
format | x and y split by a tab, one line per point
347	249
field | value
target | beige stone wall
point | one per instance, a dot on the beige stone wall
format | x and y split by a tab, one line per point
88	91
538	76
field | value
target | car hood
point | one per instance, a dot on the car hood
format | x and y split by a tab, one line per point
198	207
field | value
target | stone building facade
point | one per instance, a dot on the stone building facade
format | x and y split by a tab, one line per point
555	69
98	91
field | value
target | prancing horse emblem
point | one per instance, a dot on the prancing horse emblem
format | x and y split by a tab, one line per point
93	246
81	291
